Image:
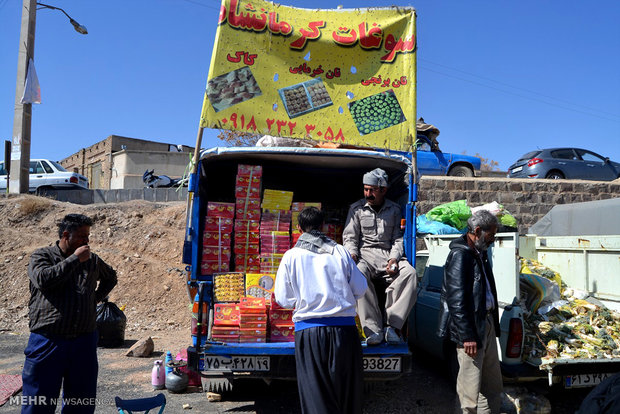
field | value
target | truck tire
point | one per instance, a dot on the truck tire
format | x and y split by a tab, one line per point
461	171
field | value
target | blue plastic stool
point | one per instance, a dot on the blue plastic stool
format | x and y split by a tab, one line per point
140	404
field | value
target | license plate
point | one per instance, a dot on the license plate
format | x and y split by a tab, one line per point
584	380
378	364
516	170
236	363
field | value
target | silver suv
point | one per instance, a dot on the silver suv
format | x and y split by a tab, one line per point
47	174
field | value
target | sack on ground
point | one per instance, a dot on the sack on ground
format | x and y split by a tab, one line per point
111	323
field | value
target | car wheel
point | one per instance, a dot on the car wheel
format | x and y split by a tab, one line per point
555	175
460	171
43	191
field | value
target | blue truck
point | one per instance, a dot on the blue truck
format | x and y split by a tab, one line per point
331	176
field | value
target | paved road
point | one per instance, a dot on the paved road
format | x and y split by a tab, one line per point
425	390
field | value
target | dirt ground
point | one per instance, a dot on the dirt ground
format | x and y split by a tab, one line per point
142	241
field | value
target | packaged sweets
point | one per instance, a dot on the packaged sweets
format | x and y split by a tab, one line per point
216	209
260	285
228	287
226	314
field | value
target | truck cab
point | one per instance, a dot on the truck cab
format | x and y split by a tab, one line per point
330	176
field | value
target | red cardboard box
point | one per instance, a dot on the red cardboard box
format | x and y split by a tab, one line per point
247	192
253	331
225	338
282	332
216	238
250	318
226	314
249	226
252	181
225	330
216	209
225	225
209	267
248	260
252	305
252	339
280	316
245	214
242	237
248	203
244	169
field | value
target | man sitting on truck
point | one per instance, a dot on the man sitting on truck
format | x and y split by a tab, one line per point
373	237
468	315
319	279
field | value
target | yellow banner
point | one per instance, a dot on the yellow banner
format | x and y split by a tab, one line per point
344	76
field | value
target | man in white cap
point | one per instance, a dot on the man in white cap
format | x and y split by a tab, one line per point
373	237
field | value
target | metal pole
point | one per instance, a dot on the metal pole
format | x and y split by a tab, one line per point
20	152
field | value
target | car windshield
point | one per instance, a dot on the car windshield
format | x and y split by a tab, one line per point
529	155
58	166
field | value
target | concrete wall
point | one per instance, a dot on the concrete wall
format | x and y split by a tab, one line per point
128	166
527	200
117	196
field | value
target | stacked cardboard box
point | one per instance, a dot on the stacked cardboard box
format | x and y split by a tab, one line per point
281	324
275	227
260	285
216	238
246	246
333	231
296	209
228	287
226	322
252	320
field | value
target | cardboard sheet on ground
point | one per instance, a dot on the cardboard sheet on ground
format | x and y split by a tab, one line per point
346	76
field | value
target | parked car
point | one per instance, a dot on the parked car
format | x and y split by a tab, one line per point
46	174
431	161
559	163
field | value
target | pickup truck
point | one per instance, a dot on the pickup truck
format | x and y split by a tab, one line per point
330	176
588	263
431	161
46	174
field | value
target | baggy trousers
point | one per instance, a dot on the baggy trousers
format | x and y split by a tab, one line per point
329	370
400	293
479	382
52	362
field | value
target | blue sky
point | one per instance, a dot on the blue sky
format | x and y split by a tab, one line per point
498	78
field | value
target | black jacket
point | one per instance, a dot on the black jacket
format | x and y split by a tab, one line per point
462	312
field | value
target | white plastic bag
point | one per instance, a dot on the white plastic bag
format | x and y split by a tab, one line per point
32	90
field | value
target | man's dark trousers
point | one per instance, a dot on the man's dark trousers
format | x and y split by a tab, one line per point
53	361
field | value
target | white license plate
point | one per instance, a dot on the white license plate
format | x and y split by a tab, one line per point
584	380
516	170
378	364
236	363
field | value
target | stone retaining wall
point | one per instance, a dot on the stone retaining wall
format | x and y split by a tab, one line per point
527	200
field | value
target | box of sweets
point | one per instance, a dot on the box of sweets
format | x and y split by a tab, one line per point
209	267
216	238
247	260
253	318
246	248
281	316
225	330
245	214
218	224
247	192
217	209
282	333
254	339
216	255
248	203
228	287
250	181
297	206
242	238
244	169
253	331
226	314
260	285
249	304
248	226
225	338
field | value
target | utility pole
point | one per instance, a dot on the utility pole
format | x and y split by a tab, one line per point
20	152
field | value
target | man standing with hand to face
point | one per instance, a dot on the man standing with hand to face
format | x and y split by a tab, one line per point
468	315
66	282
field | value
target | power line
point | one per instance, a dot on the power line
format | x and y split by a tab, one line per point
197	3
517	94
519	88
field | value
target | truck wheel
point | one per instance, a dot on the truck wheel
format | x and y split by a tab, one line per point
460	171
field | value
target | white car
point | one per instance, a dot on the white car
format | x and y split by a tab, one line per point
47	174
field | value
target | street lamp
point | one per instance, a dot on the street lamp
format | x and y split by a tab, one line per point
20	148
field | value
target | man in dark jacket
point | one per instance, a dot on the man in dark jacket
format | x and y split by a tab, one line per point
66	282
468	315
